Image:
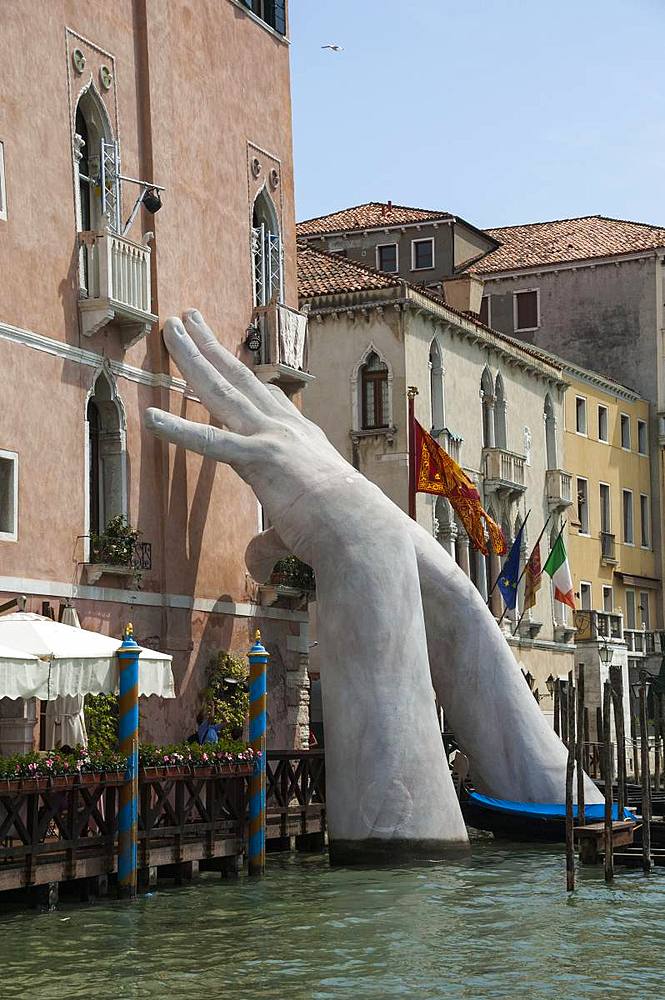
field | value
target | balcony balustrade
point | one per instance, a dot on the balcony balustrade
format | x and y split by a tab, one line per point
115	285
559	485
504	471
283	351
594	625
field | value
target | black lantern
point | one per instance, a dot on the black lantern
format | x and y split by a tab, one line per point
550	683
151	200
252	339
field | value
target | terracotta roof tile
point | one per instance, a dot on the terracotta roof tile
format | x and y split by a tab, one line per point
566	240
321	273
371	215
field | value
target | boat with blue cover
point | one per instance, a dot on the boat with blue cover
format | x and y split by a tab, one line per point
529	820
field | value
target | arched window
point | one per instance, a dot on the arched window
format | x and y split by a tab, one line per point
266	252
499	413
436	387
487	397
374	393
96	159
107	460
550	433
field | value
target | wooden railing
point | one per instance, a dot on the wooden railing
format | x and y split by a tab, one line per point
59	829
295	792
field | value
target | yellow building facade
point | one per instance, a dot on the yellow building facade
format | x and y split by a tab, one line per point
610	535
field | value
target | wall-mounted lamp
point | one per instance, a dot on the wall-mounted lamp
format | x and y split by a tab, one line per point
252	338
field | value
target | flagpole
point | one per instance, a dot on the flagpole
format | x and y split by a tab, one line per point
537	543
412	392
499	576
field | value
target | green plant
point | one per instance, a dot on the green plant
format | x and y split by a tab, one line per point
293	573
101	721
227	703
115	545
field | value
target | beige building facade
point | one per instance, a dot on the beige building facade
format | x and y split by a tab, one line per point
112	101
495	405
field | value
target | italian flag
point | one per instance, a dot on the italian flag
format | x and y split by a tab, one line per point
557	567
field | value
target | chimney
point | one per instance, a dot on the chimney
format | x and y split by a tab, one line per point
463	292
390	207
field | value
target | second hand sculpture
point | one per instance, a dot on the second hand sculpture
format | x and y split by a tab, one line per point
396	615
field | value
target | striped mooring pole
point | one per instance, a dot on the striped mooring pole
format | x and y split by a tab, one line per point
128	730
256	850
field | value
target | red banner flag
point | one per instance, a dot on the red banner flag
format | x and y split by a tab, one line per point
533	575
436	472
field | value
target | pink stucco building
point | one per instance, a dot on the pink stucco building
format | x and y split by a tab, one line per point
194	98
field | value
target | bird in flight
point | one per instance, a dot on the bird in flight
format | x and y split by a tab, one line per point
333	47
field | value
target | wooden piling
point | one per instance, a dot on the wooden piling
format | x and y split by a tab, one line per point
616	681
646	783
658	732
607	774
600	737
587	743
570	768
557	707
579	744
633	739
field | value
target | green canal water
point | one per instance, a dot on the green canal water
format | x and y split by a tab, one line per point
498	924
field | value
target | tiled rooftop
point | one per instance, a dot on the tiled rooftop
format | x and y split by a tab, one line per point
371	215
566	240
326	274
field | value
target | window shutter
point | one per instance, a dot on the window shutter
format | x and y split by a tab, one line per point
279	16
110	183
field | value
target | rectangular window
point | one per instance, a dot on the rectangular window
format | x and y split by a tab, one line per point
485	315
3	189
585	596
422	254
583	506
8	496
602	423
625	431
645	521
580	414
605	509
386	257
644	608
631	617
608	598
642	444
628	517
273	12
526	310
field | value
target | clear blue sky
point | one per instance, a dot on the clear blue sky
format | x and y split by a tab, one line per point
501	111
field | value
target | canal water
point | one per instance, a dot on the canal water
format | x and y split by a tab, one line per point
498	924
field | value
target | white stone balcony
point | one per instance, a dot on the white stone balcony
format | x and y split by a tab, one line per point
594	625
115	285
559	485
639	642
504	471
283	352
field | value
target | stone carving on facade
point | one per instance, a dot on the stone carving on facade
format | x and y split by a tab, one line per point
396	616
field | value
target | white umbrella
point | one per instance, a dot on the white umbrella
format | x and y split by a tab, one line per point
78	661
65	716
22	674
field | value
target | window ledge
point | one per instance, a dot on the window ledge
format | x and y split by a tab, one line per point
93	571
263	24
367	432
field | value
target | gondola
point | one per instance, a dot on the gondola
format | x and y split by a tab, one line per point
527	821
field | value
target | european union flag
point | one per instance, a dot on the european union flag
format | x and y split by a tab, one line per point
510	572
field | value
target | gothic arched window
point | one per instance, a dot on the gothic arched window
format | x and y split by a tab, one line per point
374	393
266	251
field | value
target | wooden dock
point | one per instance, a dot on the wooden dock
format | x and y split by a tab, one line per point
65	829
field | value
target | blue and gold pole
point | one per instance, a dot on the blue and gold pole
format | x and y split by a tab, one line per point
256	850
128	731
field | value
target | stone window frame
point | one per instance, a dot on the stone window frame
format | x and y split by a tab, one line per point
356	394
526	291
12	457
627	522
379	247
605	410
423	239
624	421
642	425
645	507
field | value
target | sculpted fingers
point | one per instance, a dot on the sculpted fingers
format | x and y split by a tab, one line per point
263	552
227	364
209	441
226	403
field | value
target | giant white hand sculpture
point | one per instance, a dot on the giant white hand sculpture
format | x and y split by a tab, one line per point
388	788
